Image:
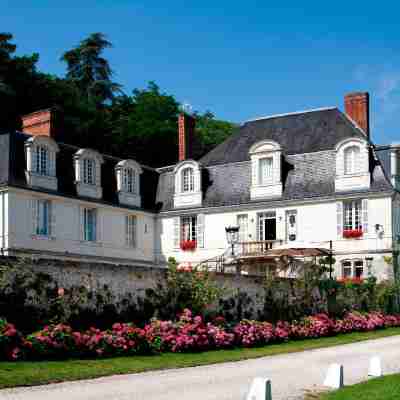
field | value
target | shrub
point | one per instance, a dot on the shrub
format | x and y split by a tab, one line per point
10	341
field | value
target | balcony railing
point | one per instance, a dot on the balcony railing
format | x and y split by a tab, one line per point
257	248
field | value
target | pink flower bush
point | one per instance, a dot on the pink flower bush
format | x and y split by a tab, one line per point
188	334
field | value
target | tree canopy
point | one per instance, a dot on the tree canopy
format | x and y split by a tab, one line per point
94	110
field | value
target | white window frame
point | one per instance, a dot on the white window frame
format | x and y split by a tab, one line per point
352	163
352	266
352	215
41	153
131	231
270	185
187	184
189	228
87	165
128	182
90	217
187	180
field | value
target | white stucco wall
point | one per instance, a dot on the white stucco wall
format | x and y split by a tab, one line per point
3	220
66	236
316	226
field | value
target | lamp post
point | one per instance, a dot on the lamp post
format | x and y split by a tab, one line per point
232	236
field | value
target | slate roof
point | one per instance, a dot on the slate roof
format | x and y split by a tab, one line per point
307	139
13	162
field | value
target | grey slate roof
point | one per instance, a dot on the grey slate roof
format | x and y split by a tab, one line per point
307	140
297	133
13	162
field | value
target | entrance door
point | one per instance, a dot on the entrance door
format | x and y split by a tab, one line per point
267	226
270	229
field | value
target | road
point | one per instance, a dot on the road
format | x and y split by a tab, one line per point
290	375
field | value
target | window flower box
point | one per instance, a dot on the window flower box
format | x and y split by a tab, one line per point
352	233
355	280
188	245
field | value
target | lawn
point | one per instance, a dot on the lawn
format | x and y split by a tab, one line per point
385	388
38	373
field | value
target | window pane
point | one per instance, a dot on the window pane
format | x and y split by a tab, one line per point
352	215
265	173
131	230
188	228
43	218
188	180
90	225
88	171
352	160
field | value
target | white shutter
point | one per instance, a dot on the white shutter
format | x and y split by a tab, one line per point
365	215
35	214
339	218
52	218
82	223
254	171
127	230
134	231
200	230
176	232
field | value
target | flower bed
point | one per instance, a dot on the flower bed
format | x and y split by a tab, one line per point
188	334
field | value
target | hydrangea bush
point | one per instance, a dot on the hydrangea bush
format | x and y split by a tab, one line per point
188	334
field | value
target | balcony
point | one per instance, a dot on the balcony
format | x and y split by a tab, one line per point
257	248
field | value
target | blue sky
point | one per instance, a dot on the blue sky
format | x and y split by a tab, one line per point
239	59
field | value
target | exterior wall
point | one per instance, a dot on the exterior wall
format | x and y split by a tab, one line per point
65	239
3	220
316	227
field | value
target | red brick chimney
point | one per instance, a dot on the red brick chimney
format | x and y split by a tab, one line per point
39	123
186	124
356	106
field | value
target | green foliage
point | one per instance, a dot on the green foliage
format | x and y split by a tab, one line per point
91	108
193	289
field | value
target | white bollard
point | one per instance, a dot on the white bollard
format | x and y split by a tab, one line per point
334	377
260	389
375	367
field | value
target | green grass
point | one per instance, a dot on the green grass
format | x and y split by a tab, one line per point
38	373
385	388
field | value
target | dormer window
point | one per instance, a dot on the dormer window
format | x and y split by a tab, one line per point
42	160
187	180
352	165
265	173
266	180
128	182
41	154
88	173
187	184
351	160
89	168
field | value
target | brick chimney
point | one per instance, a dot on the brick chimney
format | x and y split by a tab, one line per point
186	124
356	106
39	123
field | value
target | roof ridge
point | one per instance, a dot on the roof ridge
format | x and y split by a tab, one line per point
290	113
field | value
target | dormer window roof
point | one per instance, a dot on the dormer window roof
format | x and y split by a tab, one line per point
88	173
266	171
41	154
187	184
128	182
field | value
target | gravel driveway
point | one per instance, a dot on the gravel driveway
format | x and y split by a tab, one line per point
290	375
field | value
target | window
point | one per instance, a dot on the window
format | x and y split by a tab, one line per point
291	225
353	269
43	218
42	160
242	221
89	224
188	180
189	228
267	226
352	215
129	180
265	173
352	160
347	269
130	226
89	168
